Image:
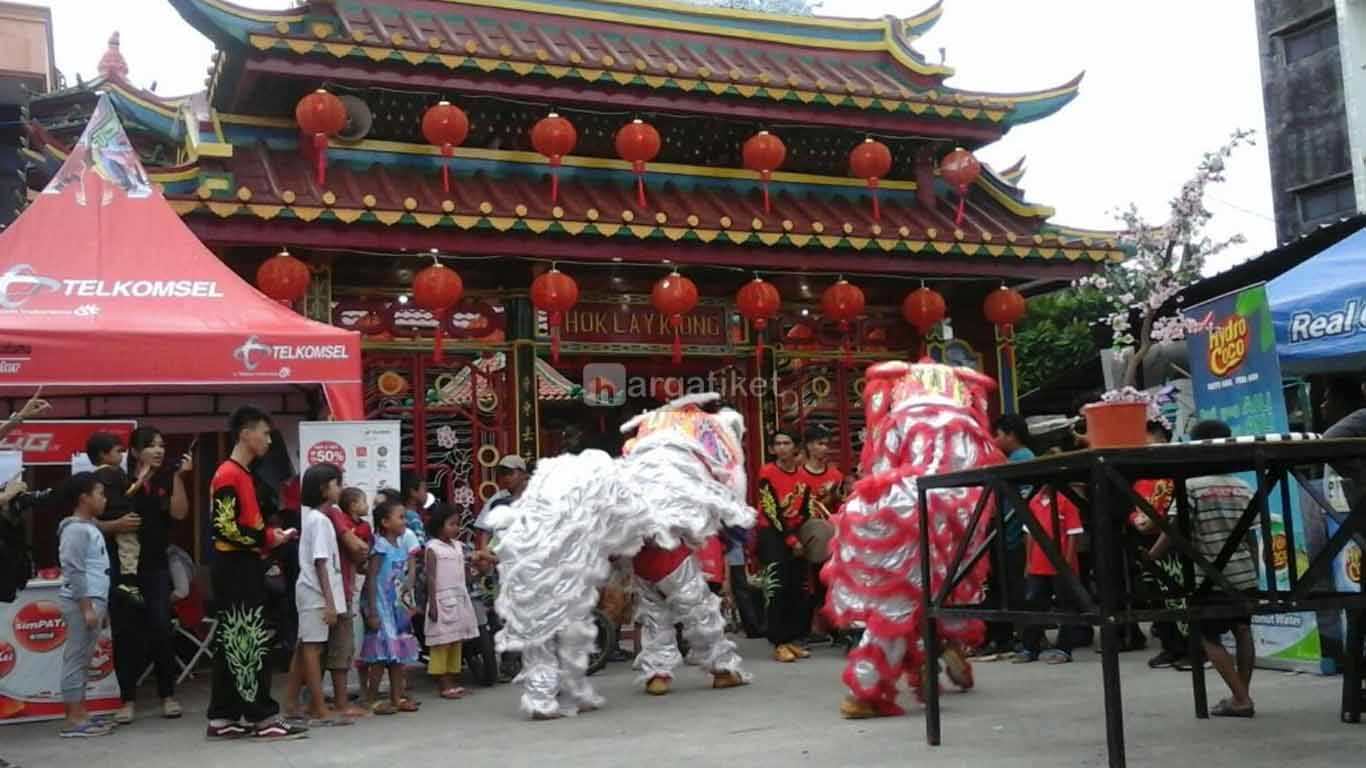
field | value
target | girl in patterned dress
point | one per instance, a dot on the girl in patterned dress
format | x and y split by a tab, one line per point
388	610
450	614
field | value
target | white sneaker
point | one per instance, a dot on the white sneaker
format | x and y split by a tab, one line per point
125	714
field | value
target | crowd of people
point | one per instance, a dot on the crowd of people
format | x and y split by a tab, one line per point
397	565
404	578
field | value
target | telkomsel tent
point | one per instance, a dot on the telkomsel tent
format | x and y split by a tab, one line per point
102	287
1319	310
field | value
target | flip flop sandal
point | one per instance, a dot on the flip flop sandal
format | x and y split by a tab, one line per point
329	722
384	708
414	702
407	706
1226	709
453	693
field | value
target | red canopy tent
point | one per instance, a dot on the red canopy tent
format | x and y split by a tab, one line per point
103	287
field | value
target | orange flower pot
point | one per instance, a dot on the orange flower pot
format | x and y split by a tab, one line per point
1116	425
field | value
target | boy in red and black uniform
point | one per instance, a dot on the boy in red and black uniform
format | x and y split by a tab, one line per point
239	700
783	508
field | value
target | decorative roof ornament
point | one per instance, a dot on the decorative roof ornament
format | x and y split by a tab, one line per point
112	64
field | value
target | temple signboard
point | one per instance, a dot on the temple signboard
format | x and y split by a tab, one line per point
642	324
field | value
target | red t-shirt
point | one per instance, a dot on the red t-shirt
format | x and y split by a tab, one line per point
1158	493
343	524
237	522
782	498
825	485
1070	518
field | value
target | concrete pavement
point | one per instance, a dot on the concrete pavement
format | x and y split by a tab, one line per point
1020	715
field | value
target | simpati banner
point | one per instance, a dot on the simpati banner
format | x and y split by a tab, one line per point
366	451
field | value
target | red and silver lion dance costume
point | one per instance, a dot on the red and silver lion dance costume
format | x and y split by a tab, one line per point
680	479
922	419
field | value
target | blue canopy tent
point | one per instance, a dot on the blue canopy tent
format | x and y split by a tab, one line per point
1319	311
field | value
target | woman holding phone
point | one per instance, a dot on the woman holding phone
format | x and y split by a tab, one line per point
142	632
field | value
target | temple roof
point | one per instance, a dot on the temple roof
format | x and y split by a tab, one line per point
597	201
112	64
669	47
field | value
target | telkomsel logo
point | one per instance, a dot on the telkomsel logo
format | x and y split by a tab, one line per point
254	351
19	284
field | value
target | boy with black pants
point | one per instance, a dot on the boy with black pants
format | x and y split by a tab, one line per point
239	699
1043	583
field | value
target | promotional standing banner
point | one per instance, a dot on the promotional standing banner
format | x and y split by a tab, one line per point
366	451
32	637
1236	375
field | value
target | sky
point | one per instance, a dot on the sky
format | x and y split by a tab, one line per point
1166	80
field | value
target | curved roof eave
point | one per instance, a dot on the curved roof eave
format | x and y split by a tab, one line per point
1033	105
229	24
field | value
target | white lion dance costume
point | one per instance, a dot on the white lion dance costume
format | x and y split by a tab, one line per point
922	419
678	482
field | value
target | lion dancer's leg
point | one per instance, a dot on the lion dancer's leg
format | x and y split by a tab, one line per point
871	674
692	604
575	644
659	654
540	679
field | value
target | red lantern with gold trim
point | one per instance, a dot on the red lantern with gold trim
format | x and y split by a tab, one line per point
759	302
1005	307
843	302
446	126
554	293
554	137
438	289
871	160
674	296
320	116
764	153
924	308
960	169
638	143
283	277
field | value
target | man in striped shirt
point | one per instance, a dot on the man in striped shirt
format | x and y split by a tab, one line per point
1217	503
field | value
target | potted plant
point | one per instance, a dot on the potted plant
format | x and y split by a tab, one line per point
1120	419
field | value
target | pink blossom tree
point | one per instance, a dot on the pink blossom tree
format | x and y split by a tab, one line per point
1165	259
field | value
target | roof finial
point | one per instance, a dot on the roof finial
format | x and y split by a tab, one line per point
112	64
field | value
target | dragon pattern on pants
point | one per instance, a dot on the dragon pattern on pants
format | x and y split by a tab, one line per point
922	419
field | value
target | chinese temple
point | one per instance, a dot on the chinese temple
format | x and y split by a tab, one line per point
433	141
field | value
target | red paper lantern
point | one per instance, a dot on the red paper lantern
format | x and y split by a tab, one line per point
843	303
1004	307
960	170
446	126
871	160
283	277
674	296
554	293
638	143
924	308
554	137
758	302
438	289
763	152
320	116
